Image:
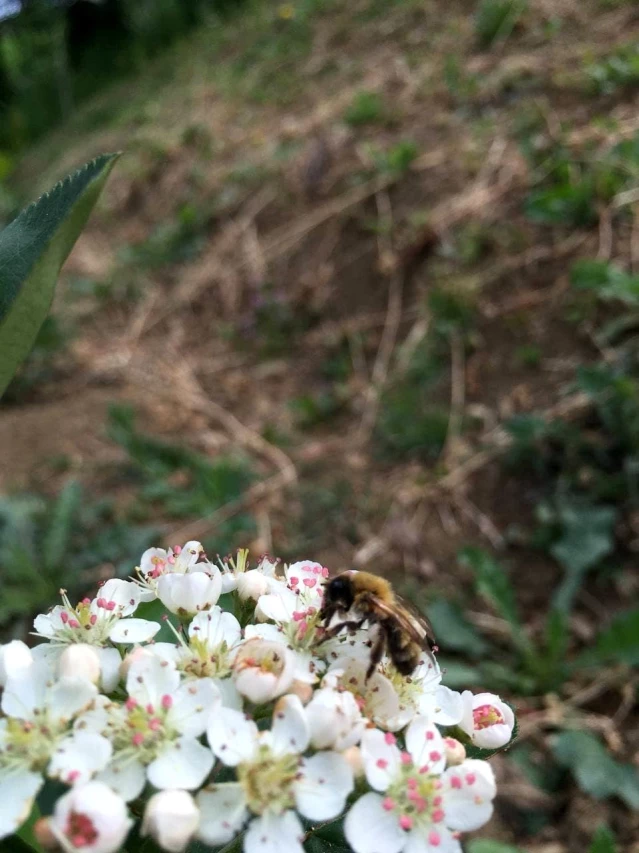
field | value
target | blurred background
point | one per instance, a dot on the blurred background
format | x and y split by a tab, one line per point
364	288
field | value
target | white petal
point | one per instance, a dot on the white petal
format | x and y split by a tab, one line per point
150	679
69	696
277	605
215	627
186	764
231	736
191	592
126	777
46	624
265	631
444	706
325	783
169	652
193	703
110	661
223	812
417	842
467	792
231	697
79	756
147	563
370	829
426	745
14	657
229	582
17	793
290	731
274	834
381	758
27	691
125	594
133	631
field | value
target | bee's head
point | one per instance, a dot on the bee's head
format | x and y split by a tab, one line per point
340	591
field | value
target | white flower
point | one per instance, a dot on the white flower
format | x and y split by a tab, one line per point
100	622
420	808
171	818
236	576
273	781
191	592
487	720
90	819
156	562
293	603
334	718
392	700
14	656
80	659
263	670
36	738
252	584
155	732
214	638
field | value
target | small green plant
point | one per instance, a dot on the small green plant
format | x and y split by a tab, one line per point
49	543
620	69
495	20
178	481
366	108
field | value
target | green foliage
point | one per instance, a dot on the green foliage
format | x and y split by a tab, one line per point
316	408
608	281
47	544
496	19
397	159
618	70
449	622
493	583
604	841
596	772
366	108
176	479
32	250
618	643
575	184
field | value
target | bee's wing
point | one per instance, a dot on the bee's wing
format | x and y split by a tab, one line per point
411	620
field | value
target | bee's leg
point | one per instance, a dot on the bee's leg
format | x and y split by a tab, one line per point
343	626
377	651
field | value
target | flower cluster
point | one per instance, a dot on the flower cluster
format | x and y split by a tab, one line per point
209	699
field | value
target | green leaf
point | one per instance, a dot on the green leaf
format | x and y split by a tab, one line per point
493	583
603	841
32	250
486	845
596	772
608	281
327	838
64	512
454	630
618	643
587	537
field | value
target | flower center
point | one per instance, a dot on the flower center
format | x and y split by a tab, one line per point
268	659
29	743
414	797
202	661
267	781
486	716
145	728
80	830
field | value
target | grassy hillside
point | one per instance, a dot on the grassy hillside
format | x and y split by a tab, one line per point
365	287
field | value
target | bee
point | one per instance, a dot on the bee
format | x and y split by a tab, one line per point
361	597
